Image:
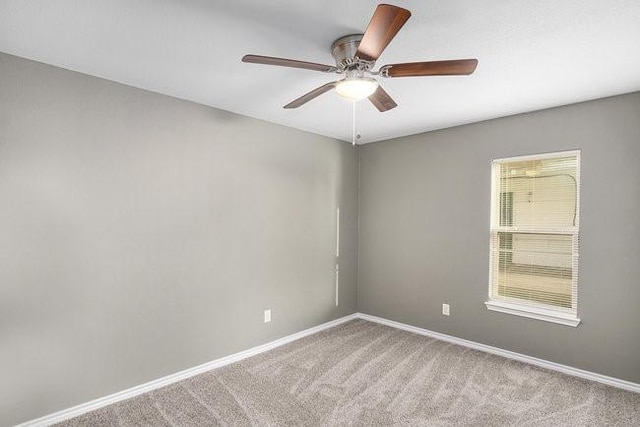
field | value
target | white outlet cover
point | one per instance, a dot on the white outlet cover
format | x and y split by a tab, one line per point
445	309
267	316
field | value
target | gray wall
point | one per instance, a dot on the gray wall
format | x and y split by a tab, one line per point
141	235
424	232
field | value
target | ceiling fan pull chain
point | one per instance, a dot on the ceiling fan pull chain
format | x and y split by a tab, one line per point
353	123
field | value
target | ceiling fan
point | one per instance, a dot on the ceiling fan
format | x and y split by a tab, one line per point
355	56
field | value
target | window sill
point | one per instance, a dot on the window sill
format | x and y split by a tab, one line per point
533	313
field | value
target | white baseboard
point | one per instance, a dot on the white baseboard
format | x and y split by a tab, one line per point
615	382
170	379
83	408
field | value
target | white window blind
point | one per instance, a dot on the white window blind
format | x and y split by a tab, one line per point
534	234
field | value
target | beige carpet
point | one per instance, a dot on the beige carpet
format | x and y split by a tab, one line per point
362	373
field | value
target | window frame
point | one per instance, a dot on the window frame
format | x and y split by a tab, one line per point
531	309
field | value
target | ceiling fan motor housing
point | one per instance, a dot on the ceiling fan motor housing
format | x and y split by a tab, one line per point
344	52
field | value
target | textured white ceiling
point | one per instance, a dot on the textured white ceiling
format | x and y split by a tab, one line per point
532	54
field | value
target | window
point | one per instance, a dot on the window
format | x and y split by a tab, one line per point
535	214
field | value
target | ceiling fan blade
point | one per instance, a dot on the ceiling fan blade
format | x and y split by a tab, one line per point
310	95
458	67
283	62
381	100
383	27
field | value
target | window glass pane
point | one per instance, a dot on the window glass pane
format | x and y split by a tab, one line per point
543	193
536	267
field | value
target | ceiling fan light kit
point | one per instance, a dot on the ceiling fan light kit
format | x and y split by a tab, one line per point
356	88
355	56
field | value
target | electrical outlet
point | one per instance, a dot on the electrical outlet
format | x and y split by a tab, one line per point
445	309
267	315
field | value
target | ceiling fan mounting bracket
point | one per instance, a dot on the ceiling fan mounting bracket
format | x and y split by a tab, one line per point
344	52
384	71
